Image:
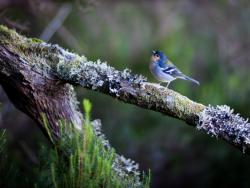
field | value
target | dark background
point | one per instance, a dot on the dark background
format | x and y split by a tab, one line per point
208	40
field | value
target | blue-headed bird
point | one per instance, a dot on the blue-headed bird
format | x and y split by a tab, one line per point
164	70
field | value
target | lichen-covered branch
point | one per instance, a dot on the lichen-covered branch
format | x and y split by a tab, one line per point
221	122
66	67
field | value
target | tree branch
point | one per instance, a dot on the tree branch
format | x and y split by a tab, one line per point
45	71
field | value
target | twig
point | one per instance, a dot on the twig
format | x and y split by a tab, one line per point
56	22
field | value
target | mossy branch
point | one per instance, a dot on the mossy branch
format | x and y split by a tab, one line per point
66	67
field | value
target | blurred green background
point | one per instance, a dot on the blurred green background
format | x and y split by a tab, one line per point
208	40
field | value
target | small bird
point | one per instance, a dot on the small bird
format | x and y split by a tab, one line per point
164	70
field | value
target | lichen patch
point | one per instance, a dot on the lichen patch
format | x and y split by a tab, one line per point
221	122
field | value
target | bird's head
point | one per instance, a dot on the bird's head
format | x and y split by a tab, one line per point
158	56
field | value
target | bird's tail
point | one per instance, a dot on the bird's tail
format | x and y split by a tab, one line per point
190	79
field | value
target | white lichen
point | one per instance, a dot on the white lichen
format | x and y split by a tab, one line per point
94	75
221	122
124	167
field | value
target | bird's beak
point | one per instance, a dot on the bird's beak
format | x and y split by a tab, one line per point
153	51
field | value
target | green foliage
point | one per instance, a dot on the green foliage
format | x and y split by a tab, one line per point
87	106
2	141
8	169
80	159
3	156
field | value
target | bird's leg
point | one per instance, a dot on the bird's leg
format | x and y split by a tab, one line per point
161	84
168	84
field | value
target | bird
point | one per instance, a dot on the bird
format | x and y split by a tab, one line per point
164	70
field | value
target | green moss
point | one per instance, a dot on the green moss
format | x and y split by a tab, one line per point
24	47
10	36
38	53
36	40
7	33
14	41
170	102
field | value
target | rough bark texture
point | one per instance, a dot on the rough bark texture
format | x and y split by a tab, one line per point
37	78
36	92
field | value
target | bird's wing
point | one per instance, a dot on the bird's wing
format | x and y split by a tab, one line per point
172	70
165	64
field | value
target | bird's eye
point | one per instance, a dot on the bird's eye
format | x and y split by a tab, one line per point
157	55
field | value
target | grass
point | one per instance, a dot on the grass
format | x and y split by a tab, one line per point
79	159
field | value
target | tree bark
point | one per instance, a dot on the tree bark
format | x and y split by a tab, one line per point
38	78
35	92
